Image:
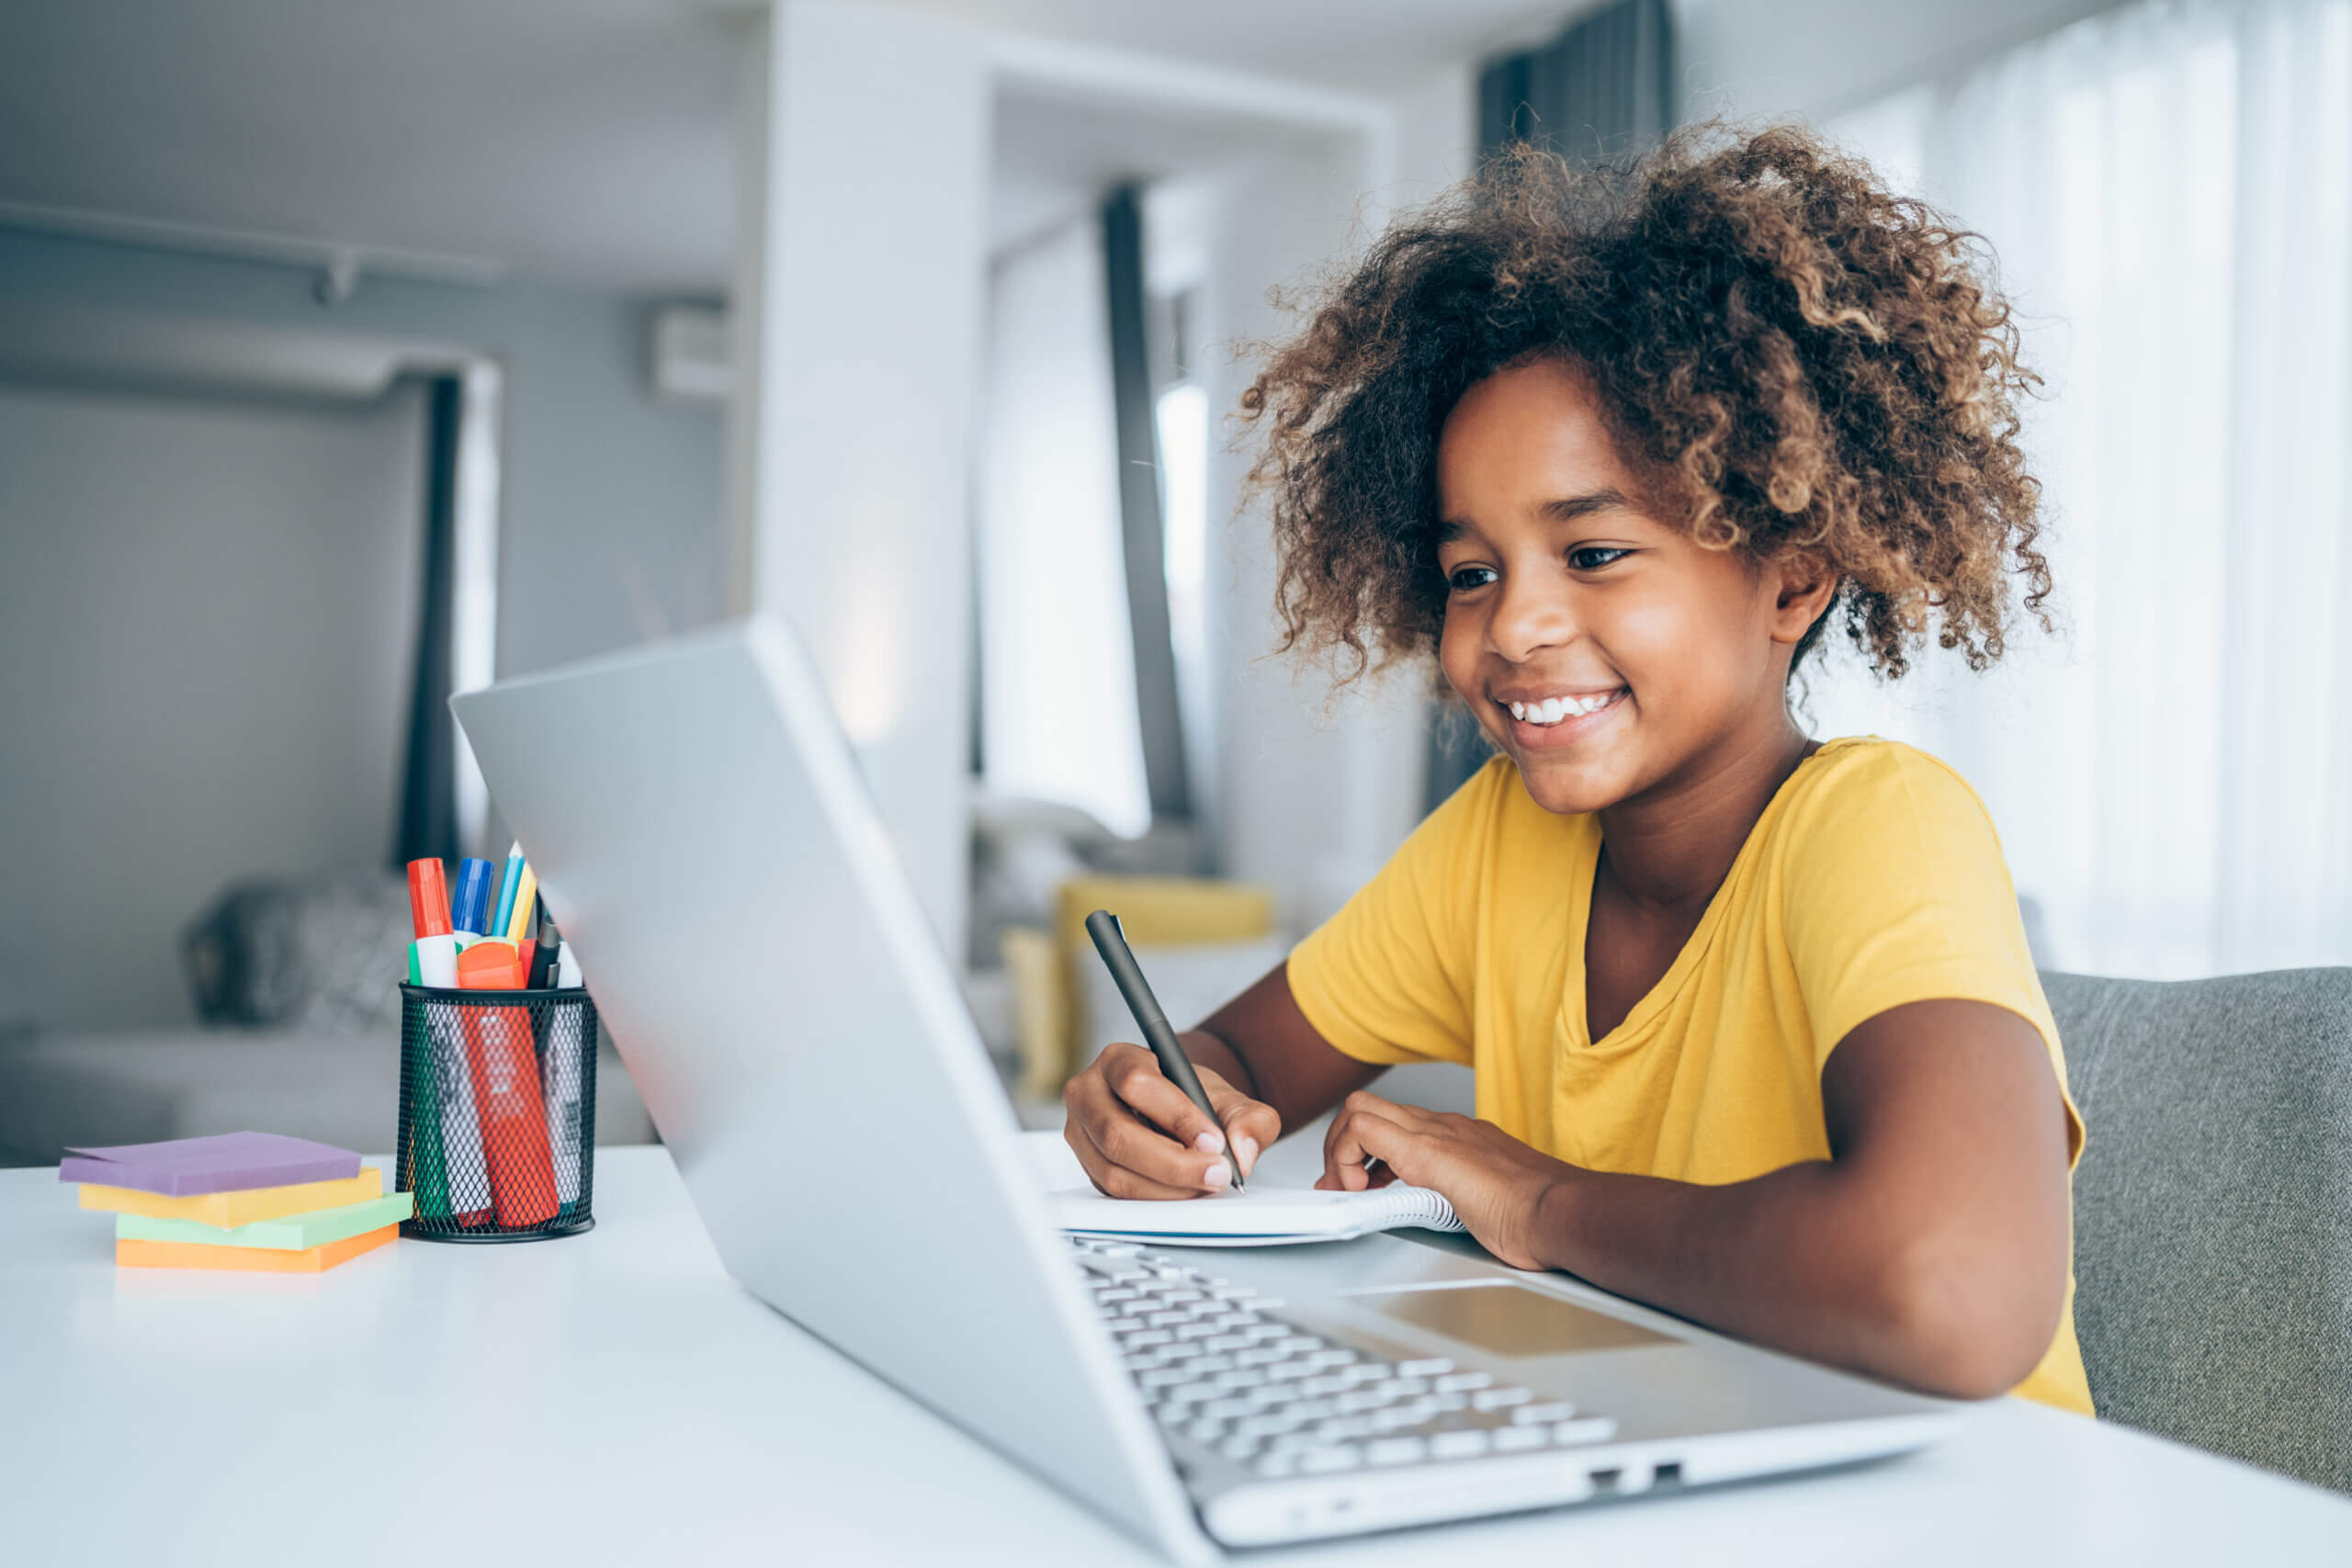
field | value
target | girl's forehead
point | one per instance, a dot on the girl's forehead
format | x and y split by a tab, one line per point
1529	441
1530	418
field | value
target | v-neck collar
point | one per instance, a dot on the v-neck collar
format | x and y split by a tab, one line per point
1573	1012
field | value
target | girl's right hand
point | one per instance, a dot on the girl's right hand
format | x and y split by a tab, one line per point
1139	1136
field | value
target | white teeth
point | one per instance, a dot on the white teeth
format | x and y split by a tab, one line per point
1551	710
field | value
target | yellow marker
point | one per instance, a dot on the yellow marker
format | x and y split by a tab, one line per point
241	1208
526	899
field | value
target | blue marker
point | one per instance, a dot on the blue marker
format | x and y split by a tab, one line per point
469	903
506	886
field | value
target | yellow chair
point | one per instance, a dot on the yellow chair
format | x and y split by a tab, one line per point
1155	911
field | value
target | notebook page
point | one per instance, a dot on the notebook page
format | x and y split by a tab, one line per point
1256	1216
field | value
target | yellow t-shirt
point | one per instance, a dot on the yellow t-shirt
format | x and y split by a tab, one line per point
1873	879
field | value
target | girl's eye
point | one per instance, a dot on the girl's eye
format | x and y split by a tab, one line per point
1462	579
1592	557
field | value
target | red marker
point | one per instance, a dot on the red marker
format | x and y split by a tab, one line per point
501	1053
428	900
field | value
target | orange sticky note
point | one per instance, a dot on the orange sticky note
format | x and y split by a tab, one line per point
131	1254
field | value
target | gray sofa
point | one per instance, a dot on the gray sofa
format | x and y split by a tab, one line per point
2213	1210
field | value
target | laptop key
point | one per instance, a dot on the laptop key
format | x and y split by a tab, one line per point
1514	1439
1397	1417
1270	1424
1542	1414
1396	1450
1323	1461
1500	1398
1462	1383
1466	1444
1588	1429
1424	1367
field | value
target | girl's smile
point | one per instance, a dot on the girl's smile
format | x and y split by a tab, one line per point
1540	722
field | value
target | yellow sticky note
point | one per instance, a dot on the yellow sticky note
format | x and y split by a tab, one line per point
226	1209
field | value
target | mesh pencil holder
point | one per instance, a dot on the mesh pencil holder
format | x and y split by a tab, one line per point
498	1113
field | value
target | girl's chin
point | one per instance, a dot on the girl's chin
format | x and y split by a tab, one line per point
1568	791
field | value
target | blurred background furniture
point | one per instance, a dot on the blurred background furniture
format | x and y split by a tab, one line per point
294	983
2213	1210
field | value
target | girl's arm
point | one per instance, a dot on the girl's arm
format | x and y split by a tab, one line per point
1265	1068
1929	1249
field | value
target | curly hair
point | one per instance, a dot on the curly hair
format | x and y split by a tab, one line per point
1789	360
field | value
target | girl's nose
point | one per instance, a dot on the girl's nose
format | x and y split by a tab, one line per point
1530	616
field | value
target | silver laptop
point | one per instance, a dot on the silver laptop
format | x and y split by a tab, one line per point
700	829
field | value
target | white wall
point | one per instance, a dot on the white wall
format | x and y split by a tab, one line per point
869	280
610	528
206	627
1318	787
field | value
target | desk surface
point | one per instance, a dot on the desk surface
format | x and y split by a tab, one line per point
614	1398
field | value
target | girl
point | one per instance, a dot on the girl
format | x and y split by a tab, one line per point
1756	1036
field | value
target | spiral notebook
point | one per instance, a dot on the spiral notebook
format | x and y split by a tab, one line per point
1260	1216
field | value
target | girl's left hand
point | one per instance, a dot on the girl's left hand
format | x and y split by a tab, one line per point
1494	1182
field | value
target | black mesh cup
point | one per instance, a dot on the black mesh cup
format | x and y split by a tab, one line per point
498	1113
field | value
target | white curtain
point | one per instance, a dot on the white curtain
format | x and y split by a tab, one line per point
1057	677
2169	189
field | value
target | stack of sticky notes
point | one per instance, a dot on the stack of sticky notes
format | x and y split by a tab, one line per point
250	1201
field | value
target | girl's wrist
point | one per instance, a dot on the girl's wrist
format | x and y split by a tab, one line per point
1554	1228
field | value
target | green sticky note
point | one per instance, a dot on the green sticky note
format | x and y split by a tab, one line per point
293	1233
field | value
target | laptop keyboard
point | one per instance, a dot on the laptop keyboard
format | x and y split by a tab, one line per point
1217	1362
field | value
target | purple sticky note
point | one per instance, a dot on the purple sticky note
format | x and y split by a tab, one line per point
226	1162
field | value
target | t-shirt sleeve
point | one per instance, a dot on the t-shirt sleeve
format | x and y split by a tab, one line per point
1900	893
1389	978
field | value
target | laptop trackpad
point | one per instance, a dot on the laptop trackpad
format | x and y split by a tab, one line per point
1505	1319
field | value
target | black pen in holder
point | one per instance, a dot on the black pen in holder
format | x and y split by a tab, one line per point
497	1135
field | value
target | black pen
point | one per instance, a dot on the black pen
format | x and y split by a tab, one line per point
1127	974
544	957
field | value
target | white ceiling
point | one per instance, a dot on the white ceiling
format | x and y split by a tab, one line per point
588	140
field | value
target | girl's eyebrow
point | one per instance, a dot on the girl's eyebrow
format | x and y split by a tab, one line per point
1567	509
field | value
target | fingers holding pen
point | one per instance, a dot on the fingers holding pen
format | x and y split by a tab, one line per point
1137	1135
1250	1125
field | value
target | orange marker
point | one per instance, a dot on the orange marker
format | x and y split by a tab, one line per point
505	1069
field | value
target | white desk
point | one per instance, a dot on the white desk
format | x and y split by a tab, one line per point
615	1399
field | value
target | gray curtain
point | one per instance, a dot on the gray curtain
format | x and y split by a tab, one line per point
1602	89
1165	774
427	828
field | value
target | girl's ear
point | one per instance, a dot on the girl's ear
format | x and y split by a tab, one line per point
1806	586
